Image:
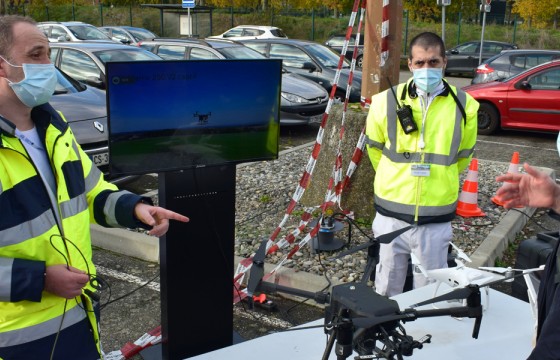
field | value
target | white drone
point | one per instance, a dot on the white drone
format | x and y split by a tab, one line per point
461	276
458	276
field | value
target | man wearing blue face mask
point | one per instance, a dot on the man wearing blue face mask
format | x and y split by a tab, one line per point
421	135
50	192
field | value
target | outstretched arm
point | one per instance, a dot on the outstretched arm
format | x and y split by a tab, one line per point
535	189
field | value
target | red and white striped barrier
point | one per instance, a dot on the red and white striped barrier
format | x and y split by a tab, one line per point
130	349
336	182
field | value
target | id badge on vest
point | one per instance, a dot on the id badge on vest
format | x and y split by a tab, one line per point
420	170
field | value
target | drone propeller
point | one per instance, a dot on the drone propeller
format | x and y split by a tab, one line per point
460	253
257	270
416	262
502	270
382	239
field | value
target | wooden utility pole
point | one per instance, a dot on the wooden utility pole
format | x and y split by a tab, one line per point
382	47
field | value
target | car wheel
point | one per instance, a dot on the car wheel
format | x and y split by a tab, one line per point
488	119
359	61
339	97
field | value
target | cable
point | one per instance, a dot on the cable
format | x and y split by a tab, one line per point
95	281
532	219
59	330
101	307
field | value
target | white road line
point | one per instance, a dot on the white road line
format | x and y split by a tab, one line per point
261	318
156	287
127	277
516	145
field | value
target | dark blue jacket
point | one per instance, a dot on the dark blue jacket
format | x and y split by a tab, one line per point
548	328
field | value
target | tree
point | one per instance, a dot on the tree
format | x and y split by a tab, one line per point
537	13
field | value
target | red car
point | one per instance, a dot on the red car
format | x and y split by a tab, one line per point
529	100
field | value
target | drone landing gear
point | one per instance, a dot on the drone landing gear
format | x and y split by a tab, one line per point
395	343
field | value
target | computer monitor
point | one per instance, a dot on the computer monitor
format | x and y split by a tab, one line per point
174	115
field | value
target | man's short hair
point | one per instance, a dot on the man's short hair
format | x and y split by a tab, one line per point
427	40
7	23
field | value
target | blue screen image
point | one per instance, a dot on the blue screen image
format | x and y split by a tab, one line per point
174	115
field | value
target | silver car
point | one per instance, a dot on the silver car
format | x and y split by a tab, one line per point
71	31
85	61
85	110
302	100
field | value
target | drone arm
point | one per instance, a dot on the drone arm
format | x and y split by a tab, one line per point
319	297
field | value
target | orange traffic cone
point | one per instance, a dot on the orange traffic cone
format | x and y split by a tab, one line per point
513	169
468	199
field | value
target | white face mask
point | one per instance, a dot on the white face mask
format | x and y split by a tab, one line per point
37	87
558	143
427	79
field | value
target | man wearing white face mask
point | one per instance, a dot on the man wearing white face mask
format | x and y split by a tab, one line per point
50	192
421	135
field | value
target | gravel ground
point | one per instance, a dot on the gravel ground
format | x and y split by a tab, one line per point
264	190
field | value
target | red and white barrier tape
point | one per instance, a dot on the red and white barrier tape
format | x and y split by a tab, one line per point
130	349
384	34
273	245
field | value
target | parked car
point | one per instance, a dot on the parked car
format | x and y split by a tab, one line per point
336	42
251	32
302	101
528	100
511	62
85	61
72	31
127	34
464	58
85	110
311	60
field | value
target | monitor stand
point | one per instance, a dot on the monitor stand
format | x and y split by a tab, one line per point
197	261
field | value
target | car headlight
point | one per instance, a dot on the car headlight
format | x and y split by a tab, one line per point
294	98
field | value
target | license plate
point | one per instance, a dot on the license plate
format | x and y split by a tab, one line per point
100	159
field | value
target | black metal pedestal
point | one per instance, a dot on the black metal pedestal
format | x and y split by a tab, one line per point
196	261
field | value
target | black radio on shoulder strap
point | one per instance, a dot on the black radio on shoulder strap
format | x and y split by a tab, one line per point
453	95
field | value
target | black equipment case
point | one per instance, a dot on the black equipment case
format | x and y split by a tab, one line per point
532	253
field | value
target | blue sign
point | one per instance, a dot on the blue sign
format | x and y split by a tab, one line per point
188	4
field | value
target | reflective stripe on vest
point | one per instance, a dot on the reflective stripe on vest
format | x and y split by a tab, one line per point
429	158
28	230
410	209
49	327
6	276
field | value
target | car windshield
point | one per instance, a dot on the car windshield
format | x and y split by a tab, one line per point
141	34
325	56
132	54
240	52
88	33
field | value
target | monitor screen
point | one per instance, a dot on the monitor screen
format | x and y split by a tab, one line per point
175	115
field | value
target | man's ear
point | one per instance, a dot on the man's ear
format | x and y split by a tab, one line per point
3	66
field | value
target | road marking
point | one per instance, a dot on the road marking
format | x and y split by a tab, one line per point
270	321
516	145
247	314
127	277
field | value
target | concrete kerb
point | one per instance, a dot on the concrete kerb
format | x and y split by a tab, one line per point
144	247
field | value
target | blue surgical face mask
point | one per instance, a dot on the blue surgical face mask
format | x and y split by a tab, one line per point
427	79
37	87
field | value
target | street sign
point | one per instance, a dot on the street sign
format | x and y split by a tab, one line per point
188	4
